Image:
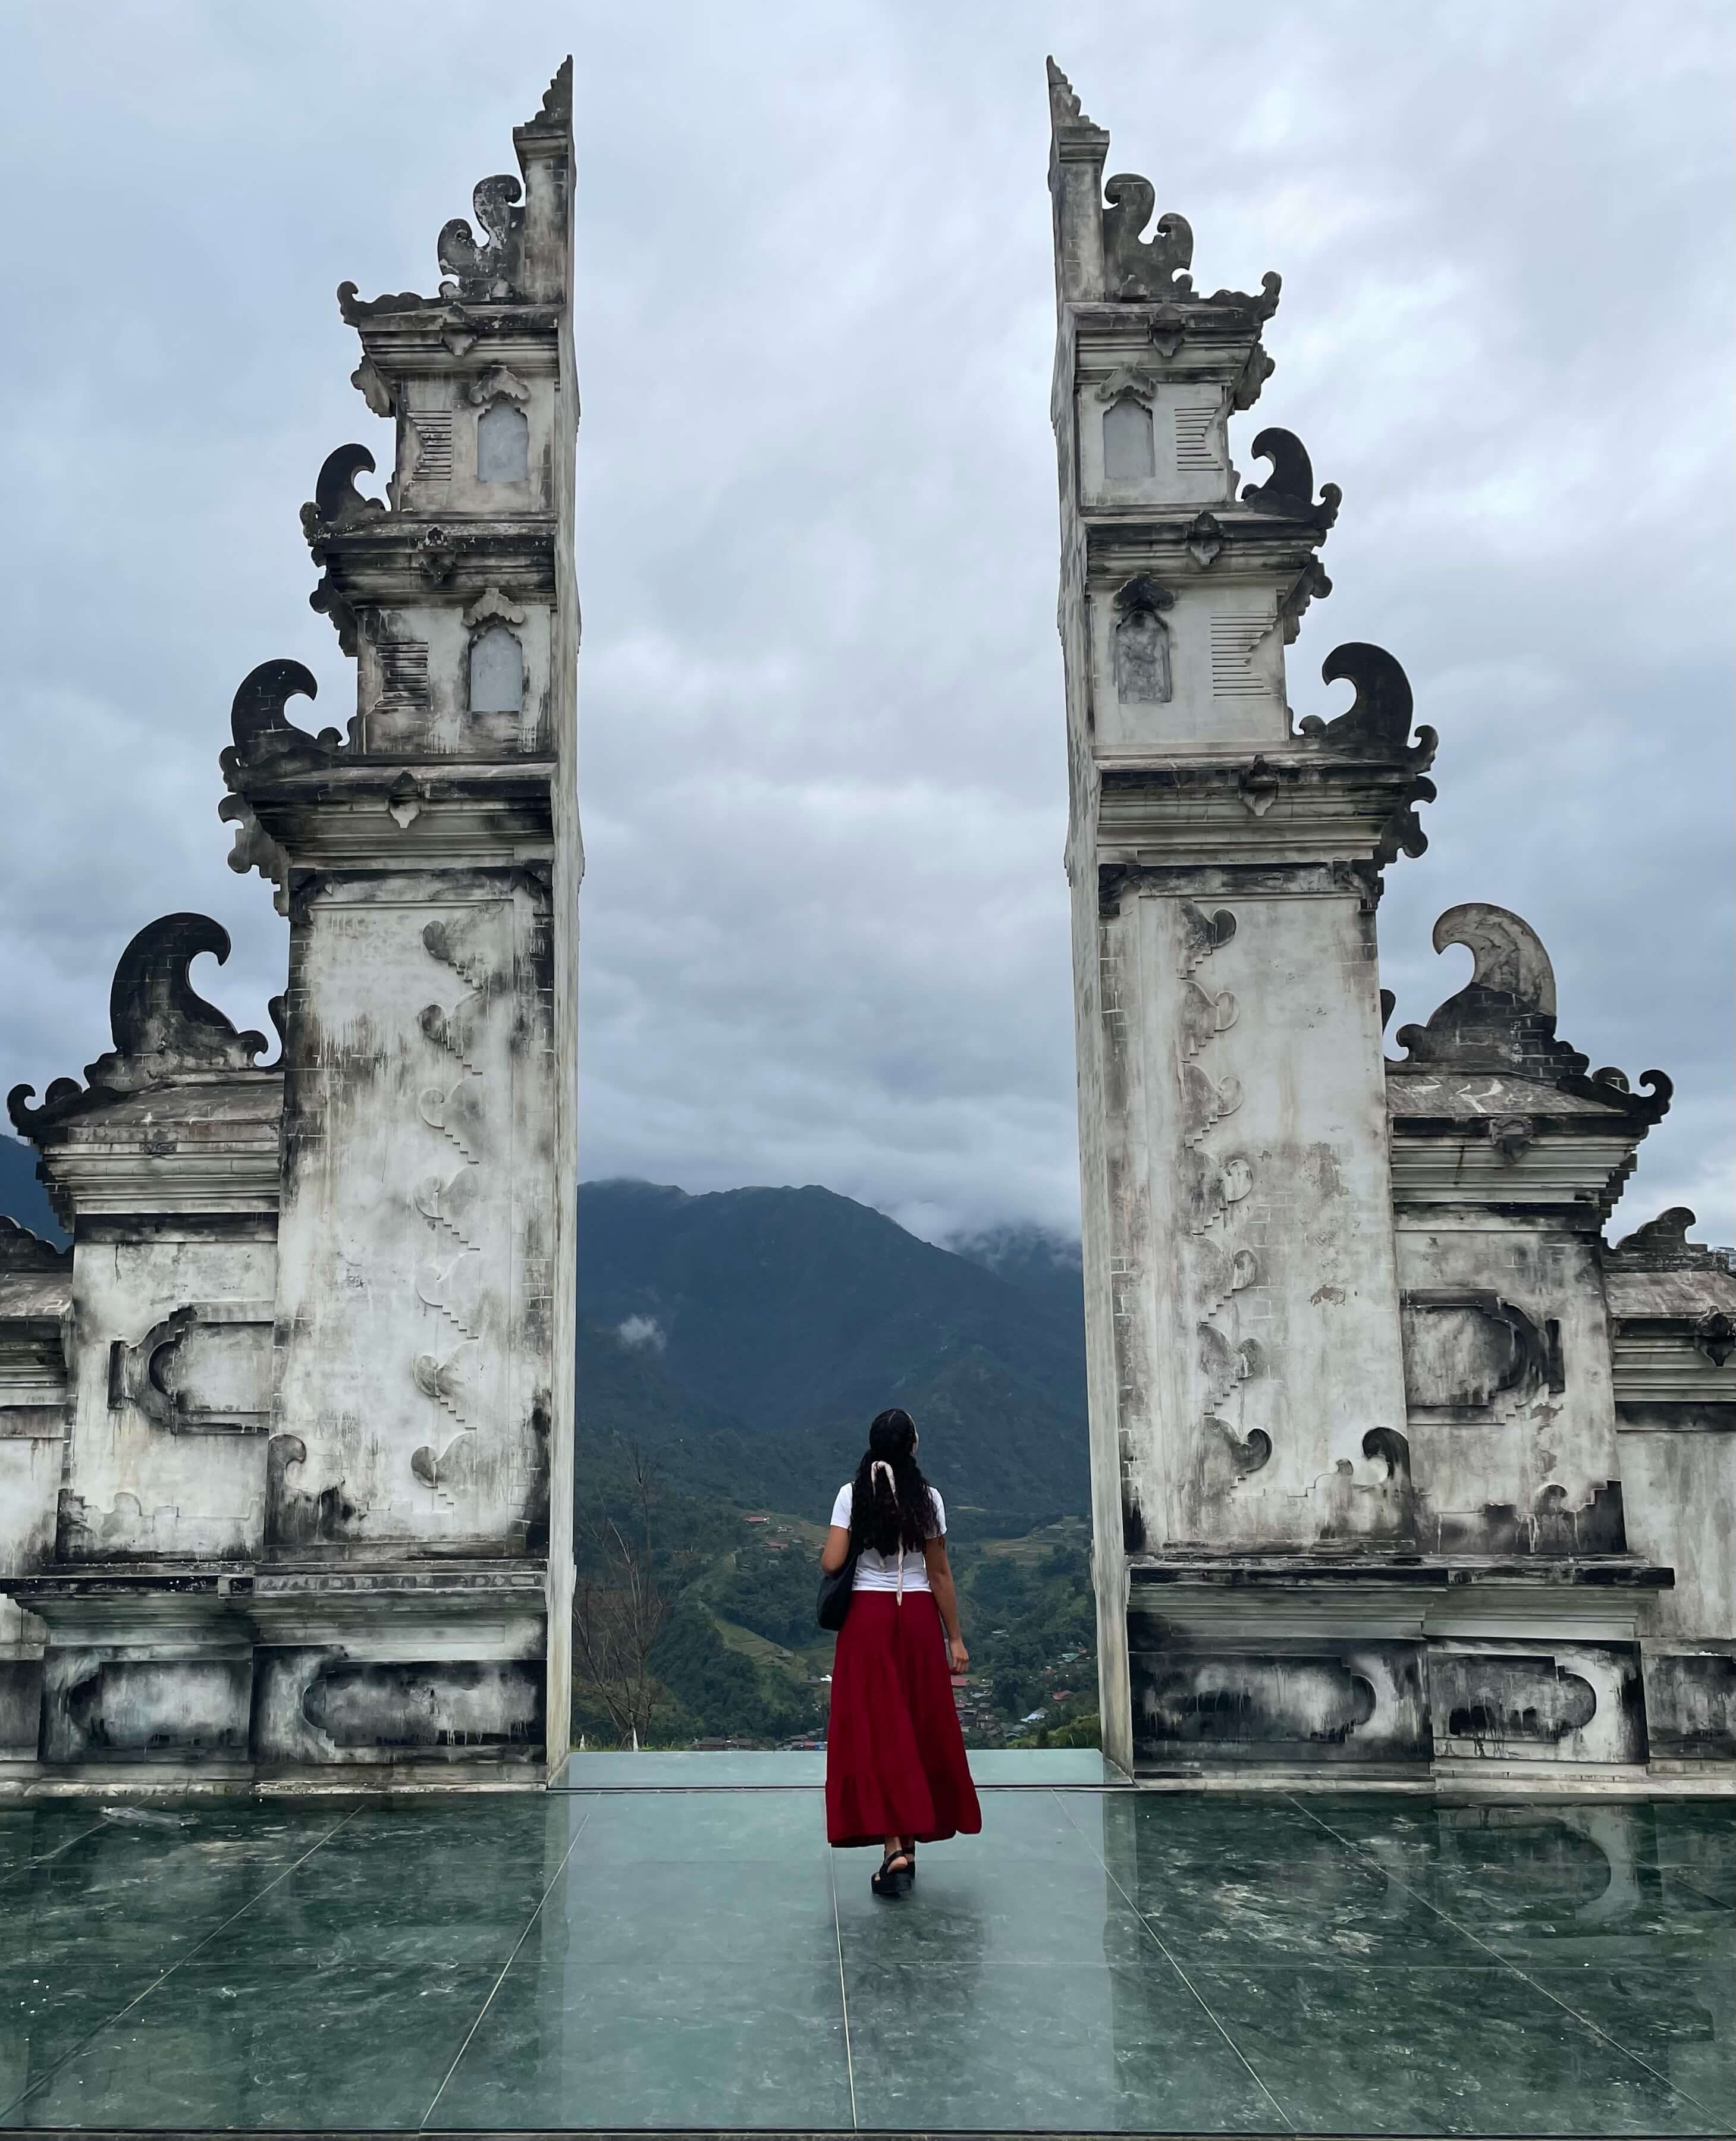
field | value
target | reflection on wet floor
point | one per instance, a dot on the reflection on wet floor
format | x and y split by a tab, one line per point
1098	1959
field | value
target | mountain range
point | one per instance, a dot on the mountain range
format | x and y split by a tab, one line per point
748	1336
745	1339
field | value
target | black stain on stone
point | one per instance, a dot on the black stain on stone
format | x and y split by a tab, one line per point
430	1709
293	1518
1690	1706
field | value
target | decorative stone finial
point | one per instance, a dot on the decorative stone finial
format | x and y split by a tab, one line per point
1064	106
1136	267
160	1025
557	108
264	737
1503	1019
336	502
1378	722
1288	491
491	269
1665	1236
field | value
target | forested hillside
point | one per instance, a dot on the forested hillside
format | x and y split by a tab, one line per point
753	1333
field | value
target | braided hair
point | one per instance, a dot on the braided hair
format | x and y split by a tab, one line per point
887	1513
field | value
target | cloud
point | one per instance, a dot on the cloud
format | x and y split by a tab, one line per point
637	1331
822	773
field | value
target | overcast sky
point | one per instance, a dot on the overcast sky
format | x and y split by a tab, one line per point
825	925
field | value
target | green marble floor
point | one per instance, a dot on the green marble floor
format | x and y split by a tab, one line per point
692	1955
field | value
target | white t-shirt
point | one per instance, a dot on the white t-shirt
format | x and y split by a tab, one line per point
876	1571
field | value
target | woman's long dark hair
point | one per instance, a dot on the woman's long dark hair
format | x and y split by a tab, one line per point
886	1517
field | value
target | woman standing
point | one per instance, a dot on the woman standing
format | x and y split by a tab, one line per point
896	1772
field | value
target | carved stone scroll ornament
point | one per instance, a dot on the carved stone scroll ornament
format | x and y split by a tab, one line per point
1377	724
1136	267
254	849
1288	492
492	267
1261	307
1128	382
1204	539
497	384
161	1026
266	741
1503	1019
371	384
336	502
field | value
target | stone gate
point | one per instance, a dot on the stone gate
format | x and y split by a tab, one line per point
1397	1465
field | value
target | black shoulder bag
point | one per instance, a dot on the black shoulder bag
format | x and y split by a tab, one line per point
836	1587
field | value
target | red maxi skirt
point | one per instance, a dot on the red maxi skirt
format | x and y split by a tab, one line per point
895	1757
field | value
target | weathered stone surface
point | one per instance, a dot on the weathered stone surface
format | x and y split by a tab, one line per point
1362	1371
314	1338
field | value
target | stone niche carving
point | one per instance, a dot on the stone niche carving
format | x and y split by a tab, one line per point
1129	445
497	671
496	659
502	445
1142	639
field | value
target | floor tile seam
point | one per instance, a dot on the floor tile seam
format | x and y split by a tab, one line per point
1211	2014
47	1857
1525	1978
163	1976
843	1993
536	1911
1700	1895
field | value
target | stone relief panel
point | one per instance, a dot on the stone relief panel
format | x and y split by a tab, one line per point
1272	1248
1543	1702
172	1381
1509	1397
410	1370
102	1704
204	1369
438	682
1142	644
1211	655
1286	1704
321	1706
1142	438
1690	1703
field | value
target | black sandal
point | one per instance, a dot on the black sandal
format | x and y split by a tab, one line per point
894	1879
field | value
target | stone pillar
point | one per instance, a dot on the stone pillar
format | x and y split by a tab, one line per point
311	1429
429	860
1225	868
